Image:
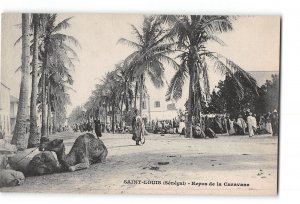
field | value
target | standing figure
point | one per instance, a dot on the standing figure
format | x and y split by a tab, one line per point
268	123
275	123
254	125
218	124
98	128
224	124
137	128
181	127
231	130
241	124
153	125
262	125
250	124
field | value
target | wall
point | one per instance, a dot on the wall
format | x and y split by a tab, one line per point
157	113
5	108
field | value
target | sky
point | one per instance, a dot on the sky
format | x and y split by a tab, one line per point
254	45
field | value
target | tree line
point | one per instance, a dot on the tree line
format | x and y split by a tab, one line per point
179	41
47	59
260	100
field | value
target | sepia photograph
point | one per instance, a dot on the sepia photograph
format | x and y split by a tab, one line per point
98	103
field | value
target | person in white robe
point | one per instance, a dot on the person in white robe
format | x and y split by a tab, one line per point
250	125
268	124
241	124
231	127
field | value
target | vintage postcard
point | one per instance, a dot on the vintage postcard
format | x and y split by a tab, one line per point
139	104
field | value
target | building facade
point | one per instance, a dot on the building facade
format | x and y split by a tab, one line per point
155	107
13	111
5	109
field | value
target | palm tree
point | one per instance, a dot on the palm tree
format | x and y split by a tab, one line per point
59	99
111	92
151	51
125	84
21	122
34	139
191	33
55	54
76	115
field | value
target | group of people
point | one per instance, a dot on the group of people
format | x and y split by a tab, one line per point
247	123
164	126
83	127
207	126
89	127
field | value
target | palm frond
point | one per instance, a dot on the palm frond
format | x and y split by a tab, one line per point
175	88
216	24
129	43
18	69
62	25
138	35
230	68
65	38
168	60
156	73
18	40
69	49
216	39
245	75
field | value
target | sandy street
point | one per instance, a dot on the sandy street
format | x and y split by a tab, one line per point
170	164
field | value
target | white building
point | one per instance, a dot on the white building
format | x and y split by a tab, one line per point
155	107
5	109
14	102
13	111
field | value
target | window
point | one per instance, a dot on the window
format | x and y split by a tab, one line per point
144	105
171	106
157	104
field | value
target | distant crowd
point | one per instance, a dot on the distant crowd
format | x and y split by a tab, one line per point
212	124
206	126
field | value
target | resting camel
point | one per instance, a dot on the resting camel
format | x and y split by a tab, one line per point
42	163
86	150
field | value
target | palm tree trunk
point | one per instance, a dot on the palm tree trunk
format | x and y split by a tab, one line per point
135	94
54	122
126	98
54	117
197	94
44	96
113	116
189	123
149	111
34	138
121	110
105	118
130	102
19	138
141	93
49	110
